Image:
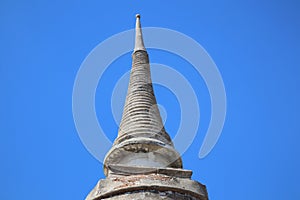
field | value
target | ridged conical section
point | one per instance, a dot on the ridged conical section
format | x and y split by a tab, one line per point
141	115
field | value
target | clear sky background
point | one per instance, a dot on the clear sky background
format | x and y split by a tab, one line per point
255	44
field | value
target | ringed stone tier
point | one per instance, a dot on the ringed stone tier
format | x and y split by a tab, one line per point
143	163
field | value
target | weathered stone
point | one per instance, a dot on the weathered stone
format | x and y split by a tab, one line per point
115	170
151	183
143	163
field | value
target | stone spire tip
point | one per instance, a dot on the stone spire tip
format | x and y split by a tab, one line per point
139	43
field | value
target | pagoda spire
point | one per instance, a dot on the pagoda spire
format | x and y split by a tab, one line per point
143	163
142	139
139	42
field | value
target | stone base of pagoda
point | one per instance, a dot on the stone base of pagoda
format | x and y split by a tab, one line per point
126	182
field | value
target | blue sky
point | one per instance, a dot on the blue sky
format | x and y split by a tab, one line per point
255	45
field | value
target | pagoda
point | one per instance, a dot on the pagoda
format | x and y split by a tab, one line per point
143	163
